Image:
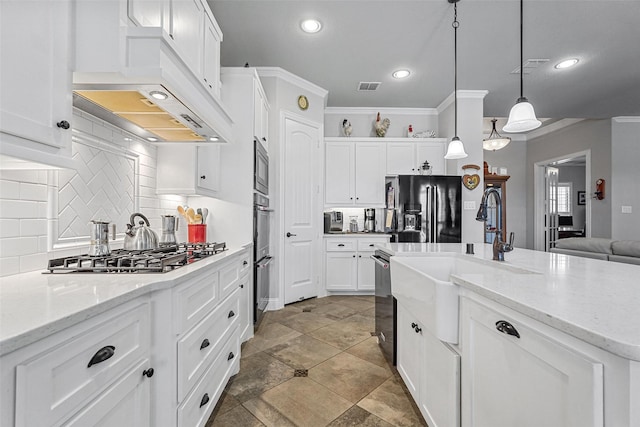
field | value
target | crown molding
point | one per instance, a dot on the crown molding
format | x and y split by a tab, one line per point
626	119
553	127
382	110
462	94
293	79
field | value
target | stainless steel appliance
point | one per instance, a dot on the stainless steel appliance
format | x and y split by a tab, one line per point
262	255
159	260
260	168
99	244
169	228
139	237
333	222
385	306
369	220
424	209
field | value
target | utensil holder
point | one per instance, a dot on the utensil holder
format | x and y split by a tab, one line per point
197	233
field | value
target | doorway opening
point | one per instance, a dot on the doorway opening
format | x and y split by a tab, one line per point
561	209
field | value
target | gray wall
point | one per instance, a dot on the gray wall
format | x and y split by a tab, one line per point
575	175
512	157
624	188
593	135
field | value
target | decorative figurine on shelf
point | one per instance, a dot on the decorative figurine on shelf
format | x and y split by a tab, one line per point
381	126
425	168
410	132
346	127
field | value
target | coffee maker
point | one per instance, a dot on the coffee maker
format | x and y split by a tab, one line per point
369	220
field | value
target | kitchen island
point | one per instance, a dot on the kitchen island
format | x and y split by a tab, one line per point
538	334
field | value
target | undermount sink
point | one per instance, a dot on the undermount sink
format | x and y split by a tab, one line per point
424	286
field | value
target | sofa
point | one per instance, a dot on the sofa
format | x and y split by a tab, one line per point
627	251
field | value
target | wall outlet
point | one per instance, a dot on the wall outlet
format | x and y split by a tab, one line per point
470	205
627	209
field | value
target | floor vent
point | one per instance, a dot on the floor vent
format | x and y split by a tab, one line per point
300	372
368	86
529	65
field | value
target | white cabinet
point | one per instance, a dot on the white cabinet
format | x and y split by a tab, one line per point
261	115
348	266
405	158
188	170
211	55
246	298
35	81
80	376
513	374
430	369
354	173
187	22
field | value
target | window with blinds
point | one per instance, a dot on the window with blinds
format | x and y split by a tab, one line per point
565	189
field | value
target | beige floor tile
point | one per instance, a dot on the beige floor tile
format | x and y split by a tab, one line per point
276	316
306	402
356	303
390	403
369	313
356	416
342	334
306	322
225	403
267	414
258	373
238	416
369	322
349	376
368	298
269	335
303	352
370	351
334	311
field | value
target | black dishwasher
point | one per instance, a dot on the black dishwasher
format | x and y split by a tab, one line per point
385	307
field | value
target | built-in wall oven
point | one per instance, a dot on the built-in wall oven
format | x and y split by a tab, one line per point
260	168
261	219
385	306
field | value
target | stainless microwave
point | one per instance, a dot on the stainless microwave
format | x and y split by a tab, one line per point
260	168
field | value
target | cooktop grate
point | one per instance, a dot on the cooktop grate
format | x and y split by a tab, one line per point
161	260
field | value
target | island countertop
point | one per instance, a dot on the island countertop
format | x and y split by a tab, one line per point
35	305
593	300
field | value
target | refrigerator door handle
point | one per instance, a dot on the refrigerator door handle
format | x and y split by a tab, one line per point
435	216
428	215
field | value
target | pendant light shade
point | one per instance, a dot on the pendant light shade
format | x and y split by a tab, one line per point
456	148
522	118
495	140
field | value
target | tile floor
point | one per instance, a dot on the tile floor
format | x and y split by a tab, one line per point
316	363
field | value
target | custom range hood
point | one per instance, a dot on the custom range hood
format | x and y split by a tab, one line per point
140	79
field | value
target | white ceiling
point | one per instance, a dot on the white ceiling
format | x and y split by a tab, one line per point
367	40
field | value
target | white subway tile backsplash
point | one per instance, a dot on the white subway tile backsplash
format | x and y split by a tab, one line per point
33	262
82	123
146	181
147	171
9	228
103	132
16	246
37	192
10	189
32	176
19	209
9	265
33	227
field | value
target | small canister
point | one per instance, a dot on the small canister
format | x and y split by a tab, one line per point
99	234
169	227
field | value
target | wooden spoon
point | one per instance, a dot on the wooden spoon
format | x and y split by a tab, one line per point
191	216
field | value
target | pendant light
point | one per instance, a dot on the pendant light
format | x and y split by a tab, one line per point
456	148
495	140
522	118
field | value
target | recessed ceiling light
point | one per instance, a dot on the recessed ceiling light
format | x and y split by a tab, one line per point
152	139
213	138
158	95
567	63
311	26
401	74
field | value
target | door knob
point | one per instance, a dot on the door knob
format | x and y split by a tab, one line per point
290	234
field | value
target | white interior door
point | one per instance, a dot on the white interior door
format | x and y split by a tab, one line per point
551	222
301	217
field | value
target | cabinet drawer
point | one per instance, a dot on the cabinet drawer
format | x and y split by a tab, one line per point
341	245
200	346
245	264
195	300
229	276
197	408
64	378
368	245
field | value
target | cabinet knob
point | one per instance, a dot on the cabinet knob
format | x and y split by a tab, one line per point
205	79
203	177
63	124
264	139
205	400
359	256
205	344
354	256
101	355
148	372
350	198
241	286
231	314
507	328
357	198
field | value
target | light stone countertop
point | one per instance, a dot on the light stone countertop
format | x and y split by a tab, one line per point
593	300
358	234
35	305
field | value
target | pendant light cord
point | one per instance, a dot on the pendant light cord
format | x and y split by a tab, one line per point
521	50
455	26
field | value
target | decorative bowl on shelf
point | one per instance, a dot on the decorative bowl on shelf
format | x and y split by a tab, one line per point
425	134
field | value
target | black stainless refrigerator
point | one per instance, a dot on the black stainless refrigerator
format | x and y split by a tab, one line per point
424	208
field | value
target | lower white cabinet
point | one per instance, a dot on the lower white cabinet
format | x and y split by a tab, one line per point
348	266
514	375
430	369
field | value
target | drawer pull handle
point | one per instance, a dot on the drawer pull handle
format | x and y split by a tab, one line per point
507	328
204	344
101	355
340	245
416	328
244	263
231	356
205	400
231	314
148	372
371	245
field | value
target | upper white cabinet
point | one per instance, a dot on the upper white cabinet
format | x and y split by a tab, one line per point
187	22
406	157
188	170
513	374
261	115
354	173
211	55
35	81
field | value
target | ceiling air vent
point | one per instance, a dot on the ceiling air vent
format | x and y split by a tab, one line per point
530	65
368	86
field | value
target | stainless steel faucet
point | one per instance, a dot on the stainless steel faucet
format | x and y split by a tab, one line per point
499	247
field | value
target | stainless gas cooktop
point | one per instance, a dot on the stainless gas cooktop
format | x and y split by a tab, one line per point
160	260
